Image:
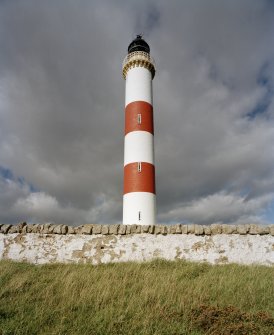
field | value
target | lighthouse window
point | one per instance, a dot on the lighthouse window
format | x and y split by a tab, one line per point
139	216
139	166
139	118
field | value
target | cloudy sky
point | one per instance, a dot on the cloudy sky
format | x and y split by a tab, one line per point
62	109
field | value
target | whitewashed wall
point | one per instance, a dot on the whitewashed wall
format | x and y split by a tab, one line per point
40	248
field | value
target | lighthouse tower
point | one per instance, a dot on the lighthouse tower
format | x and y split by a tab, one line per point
139	202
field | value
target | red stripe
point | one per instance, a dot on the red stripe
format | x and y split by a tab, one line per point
139	181
145	110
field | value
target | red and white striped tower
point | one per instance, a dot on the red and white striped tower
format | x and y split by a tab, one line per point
139	203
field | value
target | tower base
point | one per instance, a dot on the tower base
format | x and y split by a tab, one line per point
139	208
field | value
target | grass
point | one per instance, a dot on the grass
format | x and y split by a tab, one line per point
156	298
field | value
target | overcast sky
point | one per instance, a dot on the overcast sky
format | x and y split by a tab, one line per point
62	109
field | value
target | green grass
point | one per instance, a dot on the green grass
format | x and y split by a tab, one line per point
159	297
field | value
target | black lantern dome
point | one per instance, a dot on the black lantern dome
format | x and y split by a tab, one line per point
138	44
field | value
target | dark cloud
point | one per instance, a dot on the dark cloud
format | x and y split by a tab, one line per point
147	18
62	102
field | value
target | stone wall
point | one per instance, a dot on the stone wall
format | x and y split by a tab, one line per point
216	244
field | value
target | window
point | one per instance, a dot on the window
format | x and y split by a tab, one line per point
139	216
139	118
139	166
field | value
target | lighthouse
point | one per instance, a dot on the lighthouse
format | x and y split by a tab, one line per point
139	199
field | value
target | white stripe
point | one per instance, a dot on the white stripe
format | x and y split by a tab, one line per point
139	147
138	85
139	208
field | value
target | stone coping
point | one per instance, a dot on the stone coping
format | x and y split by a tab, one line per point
116	229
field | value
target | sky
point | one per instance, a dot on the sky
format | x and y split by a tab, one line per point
62	109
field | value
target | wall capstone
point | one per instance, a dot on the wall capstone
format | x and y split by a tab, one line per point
128	229
122	230
198	229
57	229
117	229
5	228
171	229
229	229
87	229
207	230
97	229
105	230
113	229
243	229
190	228
216	229
184	229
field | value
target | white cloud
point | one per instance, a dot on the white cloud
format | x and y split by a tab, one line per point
220	207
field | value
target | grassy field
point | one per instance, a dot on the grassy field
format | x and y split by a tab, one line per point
159	297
